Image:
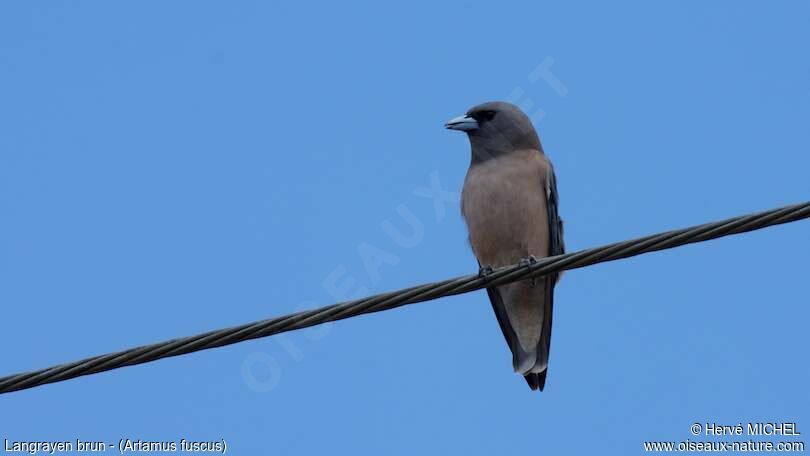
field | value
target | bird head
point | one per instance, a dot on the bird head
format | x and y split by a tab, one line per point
496	128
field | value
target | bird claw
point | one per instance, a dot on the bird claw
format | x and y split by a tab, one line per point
484	271
528	261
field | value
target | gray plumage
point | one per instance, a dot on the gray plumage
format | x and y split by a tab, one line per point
509	202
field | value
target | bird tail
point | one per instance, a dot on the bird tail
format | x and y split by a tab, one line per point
536	381
532	364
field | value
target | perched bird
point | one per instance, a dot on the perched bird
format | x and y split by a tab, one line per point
509	202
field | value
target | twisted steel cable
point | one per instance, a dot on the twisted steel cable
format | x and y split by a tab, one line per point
411	295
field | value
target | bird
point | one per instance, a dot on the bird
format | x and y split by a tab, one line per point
509	202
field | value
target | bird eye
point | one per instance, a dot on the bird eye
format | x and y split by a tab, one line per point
482	116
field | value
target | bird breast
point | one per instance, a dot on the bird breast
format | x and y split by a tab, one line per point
504	205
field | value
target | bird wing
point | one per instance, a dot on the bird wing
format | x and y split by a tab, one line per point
556	246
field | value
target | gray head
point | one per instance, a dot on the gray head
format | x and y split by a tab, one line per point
496	128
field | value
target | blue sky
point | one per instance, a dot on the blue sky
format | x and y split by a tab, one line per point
170	168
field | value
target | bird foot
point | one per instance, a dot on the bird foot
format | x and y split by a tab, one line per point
526	262
484	271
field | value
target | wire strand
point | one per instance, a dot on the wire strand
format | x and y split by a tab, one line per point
411	295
